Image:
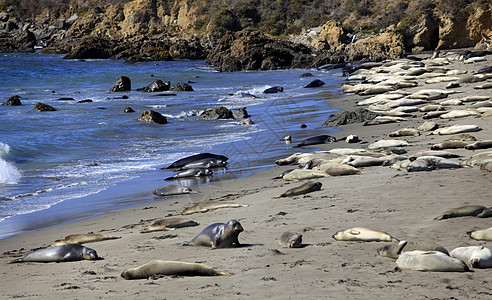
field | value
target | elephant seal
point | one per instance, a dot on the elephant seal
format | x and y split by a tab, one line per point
162	267
465	137
273	90
172	189
474	256
169	224
316	140
338	169
308	187
482	235
300	174
429	163
363	235
456	129
486	166
70	252
218	235
290	239
434	261
205	206
394	250
315	83
83	238
454	144
195	172
467	210
486	144
405	132
210	162
387	144
186	160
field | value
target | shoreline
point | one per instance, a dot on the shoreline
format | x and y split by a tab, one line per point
401	203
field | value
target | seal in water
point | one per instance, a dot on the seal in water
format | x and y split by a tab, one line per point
467	210
290	239
394	250
169	224
210	162
435	261
172	189
205	206
308	187
83	238
70	252
316	140
218	235
162	267
195	172
363	235
186	160
473	256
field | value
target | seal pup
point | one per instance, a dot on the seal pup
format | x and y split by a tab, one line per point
290	239
485	144
463	211
338	169
195	172
169	224
316	140
162	267
83	238
300	174
394	250
218	235
387	144
435	261
453	144
405	132
172	189
62	253
456	129
208	205
482	235
363	235
186	160
308	187
474	256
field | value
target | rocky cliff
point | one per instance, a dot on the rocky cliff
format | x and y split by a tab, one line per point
329	31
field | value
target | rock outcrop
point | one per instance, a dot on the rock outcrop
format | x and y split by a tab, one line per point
217	113
152	117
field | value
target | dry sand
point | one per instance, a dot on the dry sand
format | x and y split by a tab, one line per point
401	203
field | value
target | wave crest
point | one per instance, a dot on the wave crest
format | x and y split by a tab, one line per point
9	174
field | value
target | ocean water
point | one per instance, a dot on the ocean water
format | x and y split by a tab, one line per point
88	158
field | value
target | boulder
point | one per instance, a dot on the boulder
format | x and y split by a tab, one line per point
348	117
240	113
152	116
39	107
122	84
246	122
128	110
156	86
182	87
216	114
92	48
331	35
13	101
388	45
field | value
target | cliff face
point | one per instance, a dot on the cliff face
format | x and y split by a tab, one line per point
413	25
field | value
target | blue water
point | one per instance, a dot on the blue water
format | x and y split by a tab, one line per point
50	161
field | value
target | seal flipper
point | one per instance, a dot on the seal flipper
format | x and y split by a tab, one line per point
401	245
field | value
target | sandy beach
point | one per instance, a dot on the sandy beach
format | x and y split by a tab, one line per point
403	204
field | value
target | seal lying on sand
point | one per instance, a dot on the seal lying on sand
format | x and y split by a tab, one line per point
218	235
394	250
430	261
482	235
162	267
186	160
474	256
70	252
316	140
169	224
290	239
467	210
195	172
205	206
83	238
308	187
172	189
363	235
210	162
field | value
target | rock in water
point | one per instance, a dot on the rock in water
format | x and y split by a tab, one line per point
156	86
182	87
13	101
153	116
122	84
43	107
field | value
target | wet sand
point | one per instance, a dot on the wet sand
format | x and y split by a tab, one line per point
401	203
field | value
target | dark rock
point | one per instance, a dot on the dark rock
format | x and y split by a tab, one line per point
273	90
246	122
306	75
43	107
156	86
92	48
348	117
216	114
85	101
13	101
315	83
165	95
240	113
66	99
153	116
128	110
122	84
182	87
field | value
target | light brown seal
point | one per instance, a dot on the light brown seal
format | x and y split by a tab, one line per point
363	235
486	144
205	206
83	238
169	224
308	187
162	267
482	235
62	253
290	239
218	235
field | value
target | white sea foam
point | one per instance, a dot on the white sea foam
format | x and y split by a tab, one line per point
9	174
